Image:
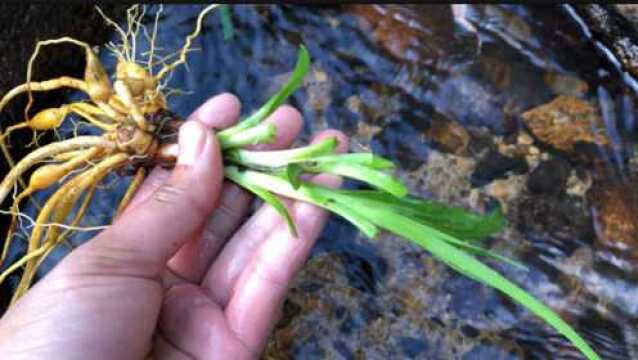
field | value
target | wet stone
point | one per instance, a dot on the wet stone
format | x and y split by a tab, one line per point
615	31
448	136
480	144
343	350
408	33
361	273
497	166
400	142
549	177
469	331
611	341
489	351
412	347
506	190
564	220
629	12
470	102
615	210
565	84
564	122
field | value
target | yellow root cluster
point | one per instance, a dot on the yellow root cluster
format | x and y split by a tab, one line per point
120	109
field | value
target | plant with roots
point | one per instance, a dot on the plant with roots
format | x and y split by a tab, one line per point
138	131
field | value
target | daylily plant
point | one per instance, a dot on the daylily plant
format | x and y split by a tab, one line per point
451	234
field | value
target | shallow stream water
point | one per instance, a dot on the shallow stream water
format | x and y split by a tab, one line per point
441	91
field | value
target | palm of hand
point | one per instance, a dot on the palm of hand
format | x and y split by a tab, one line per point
172	278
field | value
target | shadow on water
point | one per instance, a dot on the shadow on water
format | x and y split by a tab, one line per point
443	91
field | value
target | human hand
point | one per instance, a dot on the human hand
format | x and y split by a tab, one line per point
171	278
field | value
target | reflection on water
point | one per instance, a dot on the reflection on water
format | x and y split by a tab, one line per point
444	99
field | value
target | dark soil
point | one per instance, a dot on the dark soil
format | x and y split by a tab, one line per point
23	24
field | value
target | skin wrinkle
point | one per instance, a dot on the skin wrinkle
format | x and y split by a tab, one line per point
168	194
112	259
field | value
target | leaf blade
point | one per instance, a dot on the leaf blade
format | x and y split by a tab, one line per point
301	69
376	178
276	203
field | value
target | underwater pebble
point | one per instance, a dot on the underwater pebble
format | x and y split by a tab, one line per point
549	177
565	121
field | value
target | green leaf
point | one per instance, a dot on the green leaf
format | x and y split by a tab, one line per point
455	221
364	159
227	21
358	220
261	134
363	199
292	174
280	158
276	203
368	175
301	69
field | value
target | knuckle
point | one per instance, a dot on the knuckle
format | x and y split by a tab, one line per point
172	195
169	194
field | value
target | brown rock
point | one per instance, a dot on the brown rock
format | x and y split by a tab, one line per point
615	208
629	12
565	121
563	84
406	32
448	135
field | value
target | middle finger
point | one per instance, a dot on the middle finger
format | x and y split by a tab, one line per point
191	262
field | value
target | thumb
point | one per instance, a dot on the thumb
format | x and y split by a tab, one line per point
140	242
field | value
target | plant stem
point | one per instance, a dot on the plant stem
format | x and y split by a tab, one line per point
260	134
281	158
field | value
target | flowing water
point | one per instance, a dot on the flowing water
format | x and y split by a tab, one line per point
441	91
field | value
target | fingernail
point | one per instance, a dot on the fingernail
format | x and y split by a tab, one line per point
192	137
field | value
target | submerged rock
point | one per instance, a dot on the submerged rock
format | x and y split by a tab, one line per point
409	33
497	166
566	121
561	221
566	84
448	136
614	207
549	177
614	30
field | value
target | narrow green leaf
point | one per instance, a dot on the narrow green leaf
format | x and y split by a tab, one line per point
260	134
317	195
276	203
365	226
454	221
368	175
280	158
227	22
301	69
364	159
292	173
360	200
